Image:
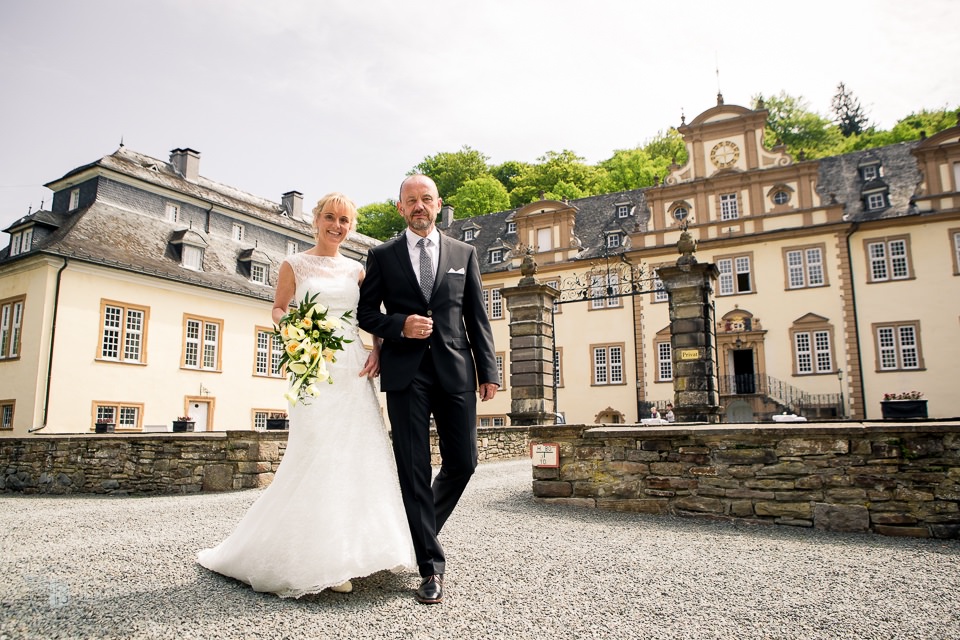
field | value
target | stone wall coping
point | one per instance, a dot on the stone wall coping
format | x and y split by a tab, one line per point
795	429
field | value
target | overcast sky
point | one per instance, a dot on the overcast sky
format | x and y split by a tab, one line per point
323	95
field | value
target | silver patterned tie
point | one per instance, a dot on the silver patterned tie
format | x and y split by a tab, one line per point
426	269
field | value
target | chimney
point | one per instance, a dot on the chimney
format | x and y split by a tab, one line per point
446	216
292	203
186	162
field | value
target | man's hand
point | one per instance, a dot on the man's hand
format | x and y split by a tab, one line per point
417	327
487	391
371	368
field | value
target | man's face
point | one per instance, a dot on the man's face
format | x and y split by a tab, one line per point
419	204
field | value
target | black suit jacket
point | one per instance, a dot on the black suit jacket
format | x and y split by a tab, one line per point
461	343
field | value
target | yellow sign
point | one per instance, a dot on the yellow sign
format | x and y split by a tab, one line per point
689	354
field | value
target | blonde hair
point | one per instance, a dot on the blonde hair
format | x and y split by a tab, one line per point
336	199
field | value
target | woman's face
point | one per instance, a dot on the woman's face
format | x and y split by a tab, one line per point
332	225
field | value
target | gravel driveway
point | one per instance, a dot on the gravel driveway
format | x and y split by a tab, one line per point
123	567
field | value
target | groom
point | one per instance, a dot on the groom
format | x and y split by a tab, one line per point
437	343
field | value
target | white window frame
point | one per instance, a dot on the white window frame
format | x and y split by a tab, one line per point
598	291
781	197
292	247
889	259
607	365
267	353
876	201
496	256
898	346
805	267
511	227
237	231
623	211
679	213
123	415
499	357
11	327
733	269
74	199
258	273
493	302
613	240
7	410
123	333
813	352
201	343
192	257
664	361
729	208
558	366
172	212
468	235
870	173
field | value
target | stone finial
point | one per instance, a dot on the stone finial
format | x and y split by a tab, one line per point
687	245
528	267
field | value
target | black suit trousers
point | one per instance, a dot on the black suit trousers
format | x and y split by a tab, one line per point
455	414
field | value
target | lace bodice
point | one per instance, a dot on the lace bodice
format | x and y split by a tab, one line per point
335	279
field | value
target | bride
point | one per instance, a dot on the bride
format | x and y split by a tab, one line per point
333	511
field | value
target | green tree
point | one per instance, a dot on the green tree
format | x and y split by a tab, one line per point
806	134
927	122
556	174
507	172
380	220
848	114
667	144
479	196
451	169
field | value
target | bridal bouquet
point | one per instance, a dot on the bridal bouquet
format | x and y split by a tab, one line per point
309	339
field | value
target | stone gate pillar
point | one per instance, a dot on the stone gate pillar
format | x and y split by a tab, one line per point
530	305
692	339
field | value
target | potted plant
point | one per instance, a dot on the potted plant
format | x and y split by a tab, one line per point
105	425
909	404
277	421
183	423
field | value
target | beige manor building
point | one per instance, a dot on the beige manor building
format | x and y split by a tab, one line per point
144	293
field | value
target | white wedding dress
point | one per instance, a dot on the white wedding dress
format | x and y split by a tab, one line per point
333	511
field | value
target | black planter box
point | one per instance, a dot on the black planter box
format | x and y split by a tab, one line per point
899	409
180	426
105	427
277	424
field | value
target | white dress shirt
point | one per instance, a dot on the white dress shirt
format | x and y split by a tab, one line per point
433	248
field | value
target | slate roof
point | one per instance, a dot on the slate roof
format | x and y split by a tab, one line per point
596	216
839	177
111	236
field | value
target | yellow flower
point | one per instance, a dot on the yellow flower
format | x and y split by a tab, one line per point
328	355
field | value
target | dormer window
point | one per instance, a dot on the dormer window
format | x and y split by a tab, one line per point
511	227
468	235
258	273
613	240
876	201
496	256
192	258
21	242
74	199
623	210
237	232
870	172
191	244
255	264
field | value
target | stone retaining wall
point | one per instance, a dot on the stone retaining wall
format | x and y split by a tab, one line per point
173	462
891	479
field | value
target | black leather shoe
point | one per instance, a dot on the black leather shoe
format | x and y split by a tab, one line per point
431	590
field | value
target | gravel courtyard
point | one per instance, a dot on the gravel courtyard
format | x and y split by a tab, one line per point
123	567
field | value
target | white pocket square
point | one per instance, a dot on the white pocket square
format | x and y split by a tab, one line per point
460	271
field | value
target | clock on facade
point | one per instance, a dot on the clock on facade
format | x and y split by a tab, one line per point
724	154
